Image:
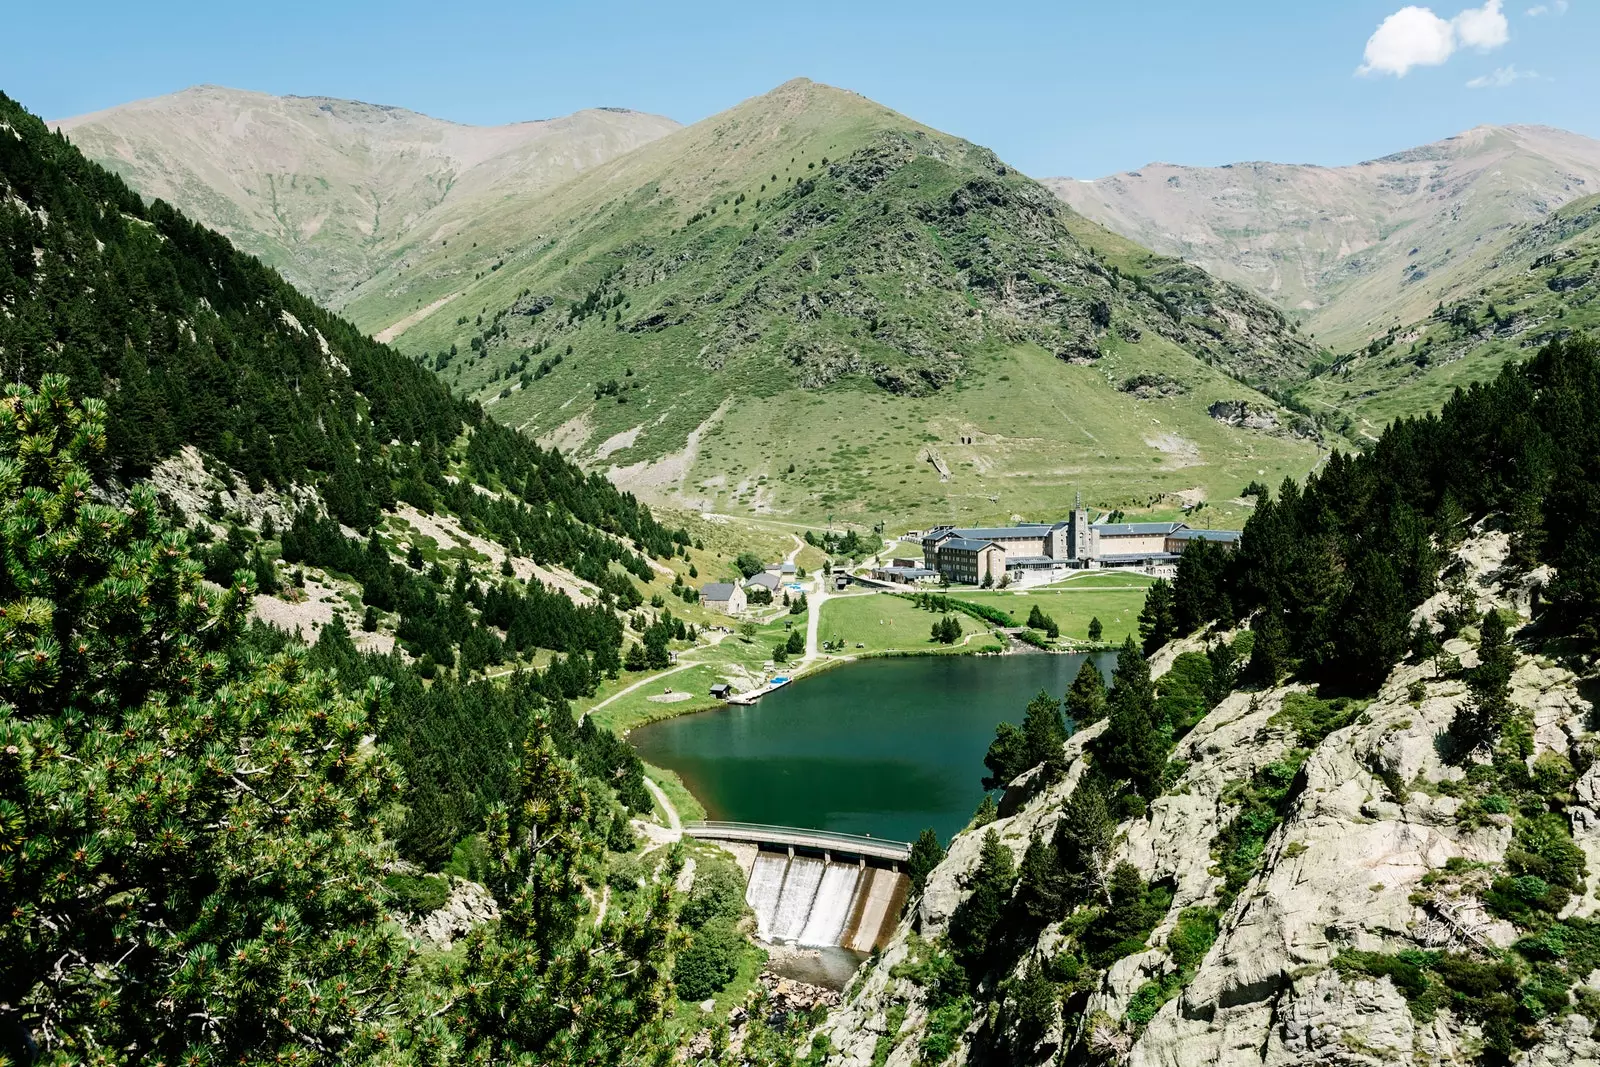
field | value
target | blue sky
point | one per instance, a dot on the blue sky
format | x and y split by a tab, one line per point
1063	88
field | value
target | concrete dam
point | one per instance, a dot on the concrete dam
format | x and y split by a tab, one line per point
816	889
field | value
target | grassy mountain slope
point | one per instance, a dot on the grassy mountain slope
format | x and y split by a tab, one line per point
1543	285
810	304
326	190
1357	249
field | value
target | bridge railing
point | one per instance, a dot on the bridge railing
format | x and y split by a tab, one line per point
780	834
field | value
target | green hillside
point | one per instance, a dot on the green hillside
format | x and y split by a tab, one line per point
1543	286
189	343
810	305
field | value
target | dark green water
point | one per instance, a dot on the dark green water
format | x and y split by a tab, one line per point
883	747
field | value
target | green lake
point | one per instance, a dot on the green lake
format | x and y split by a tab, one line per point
883	747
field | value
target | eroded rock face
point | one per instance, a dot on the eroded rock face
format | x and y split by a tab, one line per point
1244	414
1345	870
468	905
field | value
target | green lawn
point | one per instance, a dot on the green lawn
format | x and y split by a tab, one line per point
881	622
732	661
1103	580
1073	606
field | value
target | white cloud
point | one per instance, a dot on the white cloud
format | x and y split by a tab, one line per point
1416	37
1411	37
1557	8
1501	78
1484	28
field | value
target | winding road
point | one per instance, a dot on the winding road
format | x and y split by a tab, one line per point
673	820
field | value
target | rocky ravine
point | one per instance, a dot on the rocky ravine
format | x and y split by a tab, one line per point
1344	871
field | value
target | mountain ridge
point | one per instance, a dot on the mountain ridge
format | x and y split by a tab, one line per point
1354	249
324	188
802	248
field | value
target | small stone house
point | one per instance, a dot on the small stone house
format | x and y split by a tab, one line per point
726	597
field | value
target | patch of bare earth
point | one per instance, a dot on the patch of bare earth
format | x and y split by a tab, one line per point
311	609
1179	451
569	436
664	478
617	442
389	333
448	535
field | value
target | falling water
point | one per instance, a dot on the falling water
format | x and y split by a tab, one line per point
831	907
823	903
766	886
794	902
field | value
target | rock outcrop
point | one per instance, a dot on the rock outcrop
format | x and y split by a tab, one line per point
468	905
1371	856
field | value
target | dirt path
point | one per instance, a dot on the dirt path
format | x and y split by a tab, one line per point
713	640
390	332
637	685
673	821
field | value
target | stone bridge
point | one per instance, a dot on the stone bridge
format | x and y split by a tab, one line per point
780	837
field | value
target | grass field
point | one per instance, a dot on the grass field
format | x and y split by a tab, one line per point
1073	606
1103	580
733	660
883	623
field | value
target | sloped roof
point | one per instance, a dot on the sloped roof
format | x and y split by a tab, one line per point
1137	529
966	544
909	572
1206	535
718	591
1002	533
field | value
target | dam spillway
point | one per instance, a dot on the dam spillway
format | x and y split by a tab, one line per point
821	902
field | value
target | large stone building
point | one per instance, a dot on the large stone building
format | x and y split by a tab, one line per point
726	597
969	556
970	561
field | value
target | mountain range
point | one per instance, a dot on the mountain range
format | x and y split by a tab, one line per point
330	192
1354	250
707	313
712	316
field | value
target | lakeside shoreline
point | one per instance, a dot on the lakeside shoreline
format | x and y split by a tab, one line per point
698	704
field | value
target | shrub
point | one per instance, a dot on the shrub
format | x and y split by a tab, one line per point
709	961
717	893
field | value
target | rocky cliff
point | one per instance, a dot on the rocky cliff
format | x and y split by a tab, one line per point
1371	928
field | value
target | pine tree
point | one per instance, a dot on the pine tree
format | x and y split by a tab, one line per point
1157	621
1006	758
1269	656
199	867
1375	622
1478	721
547	984
1044	734
1041	884
1134	746
1095	629
1224	660
976	919
926	854
1086	700
1034	1004
1084	838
